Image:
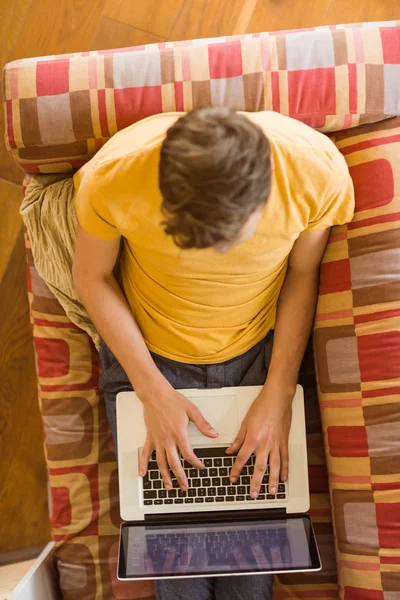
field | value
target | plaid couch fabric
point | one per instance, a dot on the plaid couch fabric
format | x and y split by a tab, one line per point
60	110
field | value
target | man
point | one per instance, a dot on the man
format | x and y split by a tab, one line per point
225	217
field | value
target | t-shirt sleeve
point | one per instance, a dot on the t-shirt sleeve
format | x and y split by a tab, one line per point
334	198
92	208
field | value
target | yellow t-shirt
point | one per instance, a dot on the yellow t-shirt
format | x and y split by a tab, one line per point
199	306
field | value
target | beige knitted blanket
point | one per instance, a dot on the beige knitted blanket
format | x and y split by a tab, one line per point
49	215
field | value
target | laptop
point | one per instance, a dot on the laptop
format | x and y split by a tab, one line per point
215	528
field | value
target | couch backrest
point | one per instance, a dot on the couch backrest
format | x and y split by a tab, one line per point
61	109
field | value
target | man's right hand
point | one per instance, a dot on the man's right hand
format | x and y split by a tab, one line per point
167	414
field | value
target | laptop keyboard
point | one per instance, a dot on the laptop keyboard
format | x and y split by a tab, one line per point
209	485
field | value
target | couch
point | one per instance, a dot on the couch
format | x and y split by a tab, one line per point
343	80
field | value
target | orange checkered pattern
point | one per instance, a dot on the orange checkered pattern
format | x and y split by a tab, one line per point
60	110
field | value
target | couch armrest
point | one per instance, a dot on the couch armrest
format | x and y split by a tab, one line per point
61	109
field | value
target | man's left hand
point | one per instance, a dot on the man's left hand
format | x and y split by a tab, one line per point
264	432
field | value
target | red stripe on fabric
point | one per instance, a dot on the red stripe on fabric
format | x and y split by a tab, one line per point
337	314
390	560
101	94
341	403
386	486
382	392
352	88
10	128
353	479
276	99
347	122
58	325
374	221
178	85
390	139
386	314
338	237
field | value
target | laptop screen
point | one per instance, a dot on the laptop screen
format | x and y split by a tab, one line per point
154	551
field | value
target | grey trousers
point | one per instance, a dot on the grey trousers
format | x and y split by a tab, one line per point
248	369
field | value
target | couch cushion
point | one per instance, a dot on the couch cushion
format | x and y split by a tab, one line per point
60	110
357	344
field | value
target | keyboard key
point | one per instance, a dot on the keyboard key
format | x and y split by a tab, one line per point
175	484
213	472
223	472
217	462
172	494
203	472
244	470
191	492
196	483
270	497
240	498
206	482
178	501
201	491
265	479
162	493
193	473
158	501
281	488
168	501
228	462
231	490
226	481
147	495
154	475
263	489
261	497
210	452
212	492
216	481
207	462
249	498
229	498
281	496
153	466
245	480
187	465
209	499
221	491
188	500
181	493
157	485
241	489
147	485
198	500
148	502
219	499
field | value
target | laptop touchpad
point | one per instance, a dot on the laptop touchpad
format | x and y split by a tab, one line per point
220	411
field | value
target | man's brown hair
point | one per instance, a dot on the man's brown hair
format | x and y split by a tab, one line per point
214	172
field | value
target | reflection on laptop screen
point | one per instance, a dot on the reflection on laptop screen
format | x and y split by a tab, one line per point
243	546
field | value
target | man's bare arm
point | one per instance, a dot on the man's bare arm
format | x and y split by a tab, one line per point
99	291
296	308
166	412
265	429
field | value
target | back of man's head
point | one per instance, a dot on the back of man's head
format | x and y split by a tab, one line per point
214	173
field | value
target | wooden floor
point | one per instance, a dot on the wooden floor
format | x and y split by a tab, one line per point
39	27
